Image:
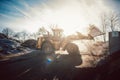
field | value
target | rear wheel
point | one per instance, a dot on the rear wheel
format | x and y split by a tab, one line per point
47	47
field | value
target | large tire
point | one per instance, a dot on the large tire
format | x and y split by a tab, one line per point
72	48
47	47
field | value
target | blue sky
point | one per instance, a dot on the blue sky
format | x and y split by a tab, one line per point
8	8
114	3
31	14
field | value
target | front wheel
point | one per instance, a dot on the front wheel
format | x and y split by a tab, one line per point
72	48
47	47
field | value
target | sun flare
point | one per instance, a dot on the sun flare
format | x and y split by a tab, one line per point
71	16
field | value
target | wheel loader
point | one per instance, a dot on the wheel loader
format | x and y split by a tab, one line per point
49	43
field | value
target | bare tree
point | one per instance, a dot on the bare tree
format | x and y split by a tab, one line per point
104	25
24	35
8	32
109	22
34	35
114	19
17	35
42	31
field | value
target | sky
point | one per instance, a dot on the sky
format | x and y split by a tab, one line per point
70	15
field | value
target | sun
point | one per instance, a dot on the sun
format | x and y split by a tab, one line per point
71	17
68	21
